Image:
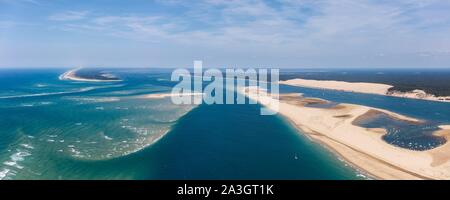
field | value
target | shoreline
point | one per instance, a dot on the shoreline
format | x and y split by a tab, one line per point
71	75
362	87
363	148
385	171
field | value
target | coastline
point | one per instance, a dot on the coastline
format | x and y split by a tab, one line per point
362	87
72	76
361	147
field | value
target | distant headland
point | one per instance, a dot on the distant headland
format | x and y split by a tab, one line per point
88	76
365	87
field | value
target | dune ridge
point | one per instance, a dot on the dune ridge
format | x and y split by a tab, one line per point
362	87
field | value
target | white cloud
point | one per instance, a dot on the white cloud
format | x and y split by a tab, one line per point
333	18
302	31
295	25
69	16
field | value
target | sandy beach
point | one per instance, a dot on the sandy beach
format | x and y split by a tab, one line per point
361	87
363	148
71	75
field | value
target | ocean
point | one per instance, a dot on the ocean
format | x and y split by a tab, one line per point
54	129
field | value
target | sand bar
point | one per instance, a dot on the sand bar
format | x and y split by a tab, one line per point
362	147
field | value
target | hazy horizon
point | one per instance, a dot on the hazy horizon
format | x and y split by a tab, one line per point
250	33
227	67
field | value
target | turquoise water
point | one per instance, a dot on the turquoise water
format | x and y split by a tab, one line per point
53	129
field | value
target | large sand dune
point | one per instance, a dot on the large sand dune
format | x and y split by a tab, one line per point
361	87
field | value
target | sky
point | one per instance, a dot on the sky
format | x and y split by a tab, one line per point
225	33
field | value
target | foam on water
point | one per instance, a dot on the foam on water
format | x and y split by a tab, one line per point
28	146
4	173
26	105
14	161
39	85
86	100
33	104
49	93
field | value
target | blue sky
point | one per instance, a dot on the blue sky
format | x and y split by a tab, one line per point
225	33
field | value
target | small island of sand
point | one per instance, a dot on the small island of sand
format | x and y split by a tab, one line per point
72	75
336	128
166	95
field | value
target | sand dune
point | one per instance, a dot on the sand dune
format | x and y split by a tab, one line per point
372	88
363	147
361	87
